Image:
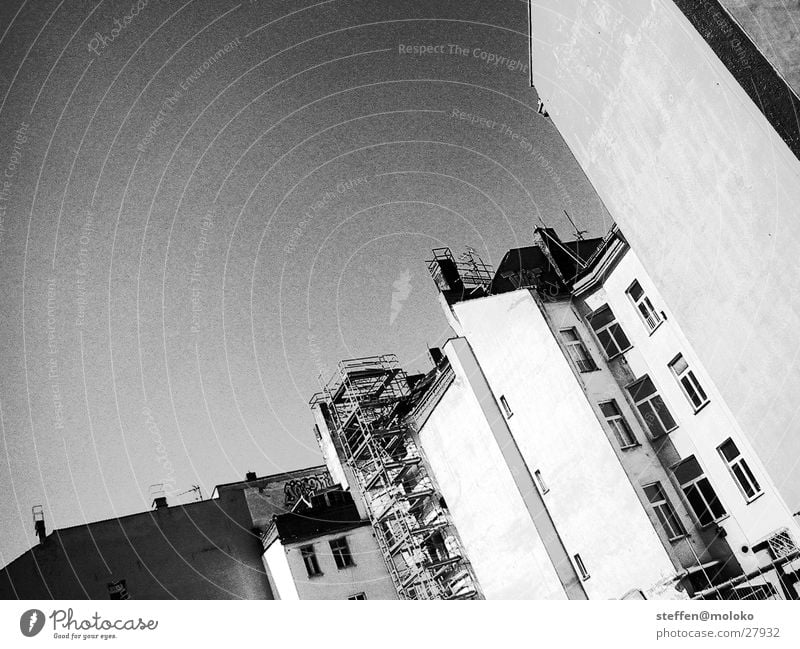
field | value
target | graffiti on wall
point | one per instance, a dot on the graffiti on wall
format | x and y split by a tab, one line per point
294	490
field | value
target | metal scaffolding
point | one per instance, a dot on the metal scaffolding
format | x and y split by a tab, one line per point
365	404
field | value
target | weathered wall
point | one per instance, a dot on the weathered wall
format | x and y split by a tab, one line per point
204	550
369	574
701	185
497	532
774	26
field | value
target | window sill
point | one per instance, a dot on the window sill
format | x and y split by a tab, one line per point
754	498
319	574
620	353
654	329
715	522
700	407
676	539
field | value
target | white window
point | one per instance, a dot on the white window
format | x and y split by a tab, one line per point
666	515
310	560
609	333
698	491
581	567
644	307
652	407
506	407
358	596
617	422
688	382
341	553
540	480
740	470
577	350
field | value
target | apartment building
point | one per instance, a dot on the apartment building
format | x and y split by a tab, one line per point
683	115
206	549
324	549
582	446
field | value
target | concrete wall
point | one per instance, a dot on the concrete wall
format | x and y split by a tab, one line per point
698	433
204	550
703	188
500	539
369	574
591	501
281	580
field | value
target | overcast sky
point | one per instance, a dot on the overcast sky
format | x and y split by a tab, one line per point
206	204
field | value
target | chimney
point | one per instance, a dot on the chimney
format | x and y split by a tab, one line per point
250	475
436	355
38	523
160	502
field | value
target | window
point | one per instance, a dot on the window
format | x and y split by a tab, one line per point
506	407
577	351
358	596
310	559
581	568
699	492
651	406
617	422
540	480
645	308
341	553
609	333
739	469
689	383
664	511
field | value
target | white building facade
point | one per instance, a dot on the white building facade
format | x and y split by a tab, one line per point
576	399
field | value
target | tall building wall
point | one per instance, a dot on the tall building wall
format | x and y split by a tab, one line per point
590	499
703	187
501	540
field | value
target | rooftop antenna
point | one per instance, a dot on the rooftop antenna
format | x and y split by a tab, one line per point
195	489
578	233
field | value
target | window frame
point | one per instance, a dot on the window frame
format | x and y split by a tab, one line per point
656	394
358	596
740	462
309	556
505	407
606	328
660	507
342	555
693	483
689	375
621	418
643	299
537	474
586	363
583	573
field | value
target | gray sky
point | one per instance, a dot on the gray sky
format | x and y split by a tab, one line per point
190	234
